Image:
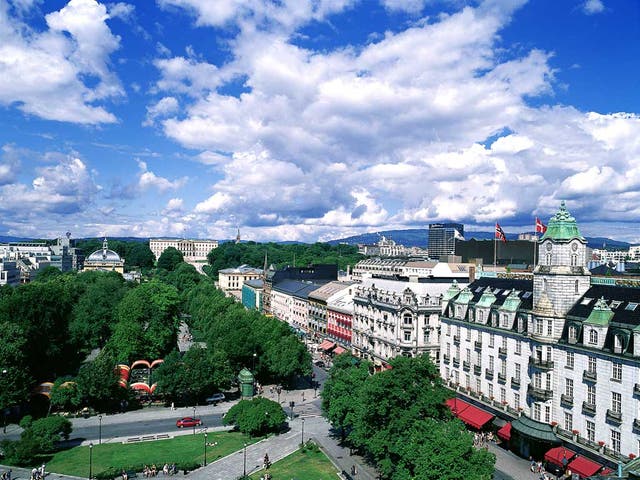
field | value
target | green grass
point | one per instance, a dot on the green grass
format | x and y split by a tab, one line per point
181	449
309	463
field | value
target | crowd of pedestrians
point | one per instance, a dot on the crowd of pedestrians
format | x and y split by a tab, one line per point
38	473
153	471
482	439
6	475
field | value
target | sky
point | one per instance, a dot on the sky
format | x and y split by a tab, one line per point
317	119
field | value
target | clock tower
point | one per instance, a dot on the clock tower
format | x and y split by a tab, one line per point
561	276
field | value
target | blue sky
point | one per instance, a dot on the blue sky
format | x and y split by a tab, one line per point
316	119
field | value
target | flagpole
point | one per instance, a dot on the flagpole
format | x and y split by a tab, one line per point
535	243
495	243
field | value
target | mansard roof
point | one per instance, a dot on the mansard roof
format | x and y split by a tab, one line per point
297	288
624	303
487	289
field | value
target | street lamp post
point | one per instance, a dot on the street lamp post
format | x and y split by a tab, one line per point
194	419
205	449
244	463
4	414
99	429
253	368
302	432
90	461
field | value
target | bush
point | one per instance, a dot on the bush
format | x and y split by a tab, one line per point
256	417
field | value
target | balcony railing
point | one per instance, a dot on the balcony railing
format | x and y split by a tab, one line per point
446	358
589	408
539	394
613	416
488	374
636	389
589	376
456	362
477	370
466	366
456	339
566	399
636	424
515	382
540	363
502	351
502	378
477	345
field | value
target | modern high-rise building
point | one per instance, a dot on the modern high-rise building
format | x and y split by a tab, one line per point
442	239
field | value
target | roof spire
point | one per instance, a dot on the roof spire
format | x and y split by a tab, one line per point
238	235
105	244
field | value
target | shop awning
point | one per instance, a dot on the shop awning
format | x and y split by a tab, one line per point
505	432
532	429
556	454
469	414
327	345
583	466
338	350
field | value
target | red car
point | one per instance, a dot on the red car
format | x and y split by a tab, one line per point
188	422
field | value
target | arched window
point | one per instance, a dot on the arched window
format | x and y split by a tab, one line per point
593	337
407	319
618	343
548	259
573	334
574	260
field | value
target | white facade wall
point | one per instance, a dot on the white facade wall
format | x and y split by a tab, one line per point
191	249
281	306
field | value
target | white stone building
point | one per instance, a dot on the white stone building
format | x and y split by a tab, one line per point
230	280
191	249
560	347
393	318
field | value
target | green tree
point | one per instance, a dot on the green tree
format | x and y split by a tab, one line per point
98	385
38	437
258	416
138	254
15	374
65	394
341	394
170	258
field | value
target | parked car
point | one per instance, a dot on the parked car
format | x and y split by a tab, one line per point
215	398
188	422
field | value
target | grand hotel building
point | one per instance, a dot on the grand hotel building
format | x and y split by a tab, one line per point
557	352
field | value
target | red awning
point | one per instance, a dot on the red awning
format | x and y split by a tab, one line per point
583	466
556	454
338	350
327	345
505	432
606	471
469	414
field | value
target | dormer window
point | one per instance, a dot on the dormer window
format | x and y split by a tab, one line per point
573	334
574	260
618	343
593	337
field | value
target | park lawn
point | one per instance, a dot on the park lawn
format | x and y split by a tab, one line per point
180	449
302	465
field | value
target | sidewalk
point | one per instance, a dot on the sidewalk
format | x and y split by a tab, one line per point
18	473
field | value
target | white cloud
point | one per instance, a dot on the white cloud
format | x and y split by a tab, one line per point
148	180
46	74
591	7
164	107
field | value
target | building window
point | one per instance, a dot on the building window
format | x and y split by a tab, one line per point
505	320
577	285
617	344
616	402
593	363
570	360
468	357
407	319
516	400
615	441
517	372
491	364
591	394
536	411
407	336
518	348
491	391
568	421
573	334
547	413
503	395
467	381
448	329
591	431
468	334
478	385
568	387
492	339
539	327
503	368
548	263
616	372
504	343
480	316
593	337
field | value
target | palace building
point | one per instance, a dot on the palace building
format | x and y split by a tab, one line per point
557	351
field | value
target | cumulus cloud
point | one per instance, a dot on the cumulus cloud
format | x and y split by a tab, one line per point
59	73
64	188
149	180
591	7
164	107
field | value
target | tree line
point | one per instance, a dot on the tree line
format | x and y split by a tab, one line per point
398	419
230	254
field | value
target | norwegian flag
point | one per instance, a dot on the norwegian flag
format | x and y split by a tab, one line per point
540	227
500	233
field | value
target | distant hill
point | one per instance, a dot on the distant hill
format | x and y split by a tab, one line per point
419	237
